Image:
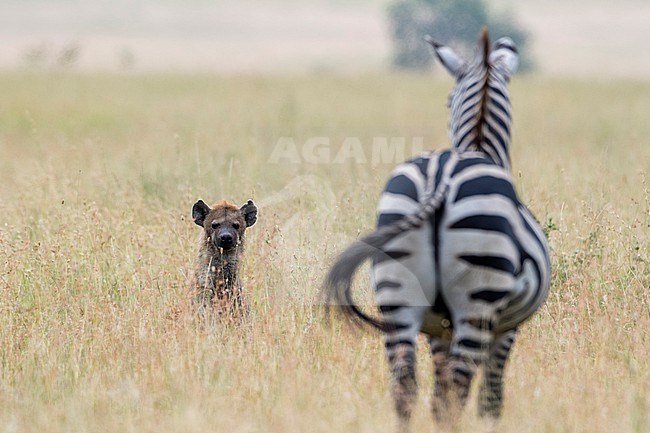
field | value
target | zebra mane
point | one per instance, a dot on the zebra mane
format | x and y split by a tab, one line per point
484	41
479	103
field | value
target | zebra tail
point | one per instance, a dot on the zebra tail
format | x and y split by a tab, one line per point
336	290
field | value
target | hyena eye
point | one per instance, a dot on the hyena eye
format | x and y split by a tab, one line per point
235	226
215	225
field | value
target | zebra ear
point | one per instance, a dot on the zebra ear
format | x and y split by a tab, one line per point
448	58
504	55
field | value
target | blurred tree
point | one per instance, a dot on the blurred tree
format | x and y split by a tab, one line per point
456	23
36	56
69	55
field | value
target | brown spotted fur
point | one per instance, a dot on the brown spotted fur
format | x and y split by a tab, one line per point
217	278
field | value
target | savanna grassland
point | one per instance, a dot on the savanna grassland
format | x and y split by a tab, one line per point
97	177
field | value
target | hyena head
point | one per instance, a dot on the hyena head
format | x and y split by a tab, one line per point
224	223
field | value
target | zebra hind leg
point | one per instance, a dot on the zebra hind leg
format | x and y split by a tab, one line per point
401	357
441	386
454	376
456	367
491	391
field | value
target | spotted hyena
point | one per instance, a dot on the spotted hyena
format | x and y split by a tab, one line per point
221	247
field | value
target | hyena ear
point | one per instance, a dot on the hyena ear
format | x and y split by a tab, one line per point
448	58
249	210
199	211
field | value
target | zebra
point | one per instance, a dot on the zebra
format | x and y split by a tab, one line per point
456	255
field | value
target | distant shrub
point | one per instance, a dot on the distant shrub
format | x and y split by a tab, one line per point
456	23
36	56
69	55
44	56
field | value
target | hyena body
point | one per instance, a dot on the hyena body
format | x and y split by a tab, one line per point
220	251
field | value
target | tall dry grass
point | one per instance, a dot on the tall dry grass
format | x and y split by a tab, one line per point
97	177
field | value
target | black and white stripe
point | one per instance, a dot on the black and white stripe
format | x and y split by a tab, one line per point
456	255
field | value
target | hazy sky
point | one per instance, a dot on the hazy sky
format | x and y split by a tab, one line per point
595	37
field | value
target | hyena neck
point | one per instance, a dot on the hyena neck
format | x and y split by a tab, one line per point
218	269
